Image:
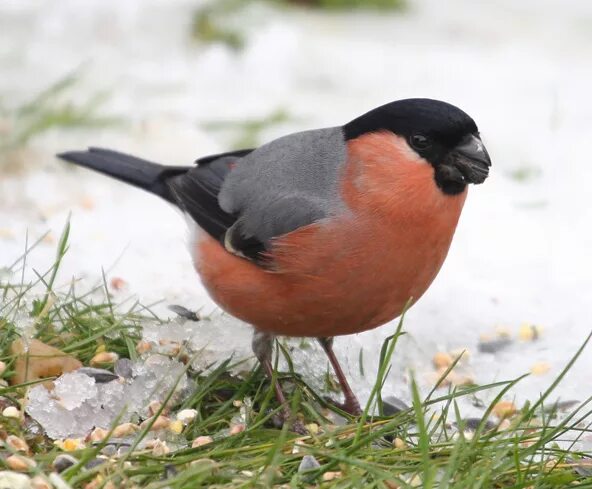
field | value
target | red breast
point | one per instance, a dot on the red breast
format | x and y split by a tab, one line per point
354	271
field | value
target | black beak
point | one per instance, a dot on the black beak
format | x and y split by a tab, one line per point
471	158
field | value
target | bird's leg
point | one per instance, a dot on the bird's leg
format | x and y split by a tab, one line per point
351	404
262	345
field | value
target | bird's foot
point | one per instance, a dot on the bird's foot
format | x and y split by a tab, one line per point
350	406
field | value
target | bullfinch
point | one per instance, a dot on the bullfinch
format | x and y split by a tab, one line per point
324	232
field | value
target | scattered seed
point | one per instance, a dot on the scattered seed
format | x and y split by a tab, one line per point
117	283
104	358
529	332
2	367
38	482
442	360
20	463
329	476
186	415
125	429
71	444
399	443
200	441
540	368
156	407
11	412
160	423
100	375
63	461
504	409
98	435
237	428
176	427
143	347
159	448
312	428
17	444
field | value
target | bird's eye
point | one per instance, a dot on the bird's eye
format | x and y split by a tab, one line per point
420	142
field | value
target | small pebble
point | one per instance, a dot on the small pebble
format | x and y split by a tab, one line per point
100	375
200	441
392	405
540	368
95	462
11	412
504	409
17	444
186	415
442	360
123	368
125	429
330	476
20	463
104	358
63	461
307	464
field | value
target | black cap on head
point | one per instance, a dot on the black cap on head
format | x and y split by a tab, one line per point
435	130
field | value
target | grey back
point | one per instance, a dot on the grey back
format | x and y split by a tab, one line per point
285	184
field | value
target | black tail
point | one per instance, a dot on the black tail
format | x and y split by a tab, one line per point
194	189
135	171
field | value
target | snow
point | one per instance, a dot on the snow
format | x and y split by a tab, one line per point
521	69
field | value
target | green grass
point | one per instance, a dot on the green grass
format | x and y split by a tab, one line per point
528	453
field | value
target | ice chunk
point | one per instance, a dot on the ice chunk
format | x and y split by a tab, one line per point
78	404
72	389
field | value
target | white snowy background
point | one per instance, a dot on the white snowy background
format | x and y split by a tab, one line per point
523	70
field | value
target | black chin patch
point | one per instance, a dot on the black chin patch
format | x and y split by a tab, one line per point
449	179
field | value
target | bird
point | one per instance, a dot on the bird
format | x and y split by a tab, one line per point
324	232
